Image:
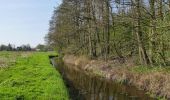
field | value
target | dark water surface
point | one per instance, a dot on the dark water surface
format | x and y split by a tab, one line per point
83	86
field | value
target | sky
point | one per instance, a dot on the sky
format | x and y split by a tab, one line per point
25	21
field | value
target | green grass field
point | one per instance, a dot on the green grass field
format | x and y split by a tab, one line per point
29	76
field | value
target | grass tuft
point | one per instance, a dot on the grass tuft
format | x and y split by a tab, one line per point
30	78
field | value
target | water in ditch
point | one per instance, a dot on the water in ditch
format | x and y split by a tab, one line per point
83	86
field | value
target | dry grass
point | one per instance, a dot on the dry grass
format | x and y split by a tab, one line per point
7	59
153	80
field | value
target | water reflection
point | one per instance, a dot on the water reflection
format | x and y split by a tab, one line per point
88	87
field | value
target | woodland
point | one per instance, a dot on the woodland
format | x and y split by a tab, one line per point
109	29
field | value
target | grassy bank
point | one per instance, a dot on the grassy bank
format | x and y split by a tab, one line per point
29	76
154	80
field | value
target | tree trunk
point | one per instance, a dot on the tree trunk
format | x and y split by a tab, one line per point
141	49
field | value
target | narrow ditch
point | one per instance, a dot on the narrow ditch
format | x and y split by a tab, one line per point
85	86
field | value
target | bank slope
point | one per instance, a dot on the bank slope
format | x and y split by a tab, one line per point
154	80
31	77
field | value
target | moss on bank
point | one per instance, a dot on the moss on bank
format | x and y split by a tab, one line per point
30	77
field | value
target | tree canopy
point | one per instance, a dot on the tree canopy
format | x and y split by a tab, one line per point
113	28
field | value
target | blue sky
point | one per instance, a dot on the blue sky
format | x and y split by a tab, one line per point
25	21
